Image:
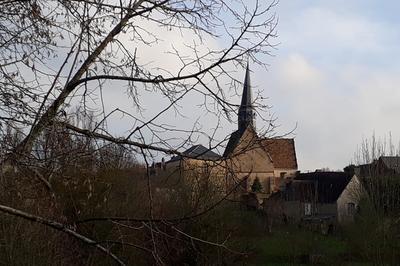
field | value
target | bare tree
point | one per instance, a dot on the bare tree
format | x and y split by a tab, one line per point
374	147
88	57
58	59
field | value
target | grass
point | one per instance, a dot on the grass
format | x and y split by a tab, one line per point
291	246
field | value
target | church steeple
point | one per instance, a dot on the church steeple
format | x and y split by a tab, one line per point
246	110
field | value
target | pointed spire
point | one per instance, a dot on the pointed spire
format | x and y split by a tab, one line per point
246	112
246	96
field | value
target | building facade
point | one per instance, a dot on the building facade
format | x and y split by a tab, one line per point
272	160
247	156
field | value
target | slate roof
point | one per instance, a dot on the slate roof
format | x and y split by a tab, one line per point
246	95
198	152
385	165
233	142
363	170
328	185
391	162
246	113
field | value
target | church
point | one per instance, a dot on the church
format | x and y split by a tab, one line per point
247	156
272	160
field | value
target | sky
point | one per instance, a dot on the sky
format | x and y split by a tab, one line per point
333	79
336	75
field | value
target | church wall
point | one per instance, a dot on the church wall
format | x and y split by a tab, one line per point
265	180
281	177
247	158
254	162
251	161
287	172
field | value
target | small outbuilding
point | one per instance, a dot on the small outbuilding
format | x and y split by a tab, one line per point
329	197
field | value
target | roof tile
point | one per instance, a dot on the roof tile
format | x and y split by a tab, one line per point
282	152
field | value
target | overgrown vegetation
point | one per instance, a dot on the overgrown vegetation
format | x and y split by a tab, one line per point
101	192
374	237
78	191
74	192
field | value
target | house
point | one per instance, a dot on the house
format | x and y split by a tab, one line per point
381	183
192	175
196	161
348	201
197	154
320	196
384	165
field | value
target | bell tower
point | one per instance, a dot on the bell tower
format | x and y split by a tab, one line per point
246	112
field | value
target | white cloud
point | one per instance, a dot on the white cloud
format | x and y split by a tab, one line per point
336	75
296	72
325	78
324	27
154	57
334	110
333	37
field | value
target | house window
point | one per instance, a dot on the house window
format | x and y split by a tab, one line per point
351	208
307	209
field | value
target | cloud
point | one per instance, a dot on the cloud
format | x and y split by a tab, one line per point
298	74
334	110
154	57
327	29
326	33
336	75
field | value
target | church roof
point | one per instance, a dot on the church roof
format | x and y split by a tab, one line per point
246	113
197	152
246	95
233	142
282	152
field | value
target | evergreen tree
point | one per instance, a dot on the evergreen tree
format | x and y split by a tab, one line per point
256	186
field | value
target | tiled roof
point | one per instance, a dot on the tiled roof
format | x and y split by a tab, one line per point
282	152
198	152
